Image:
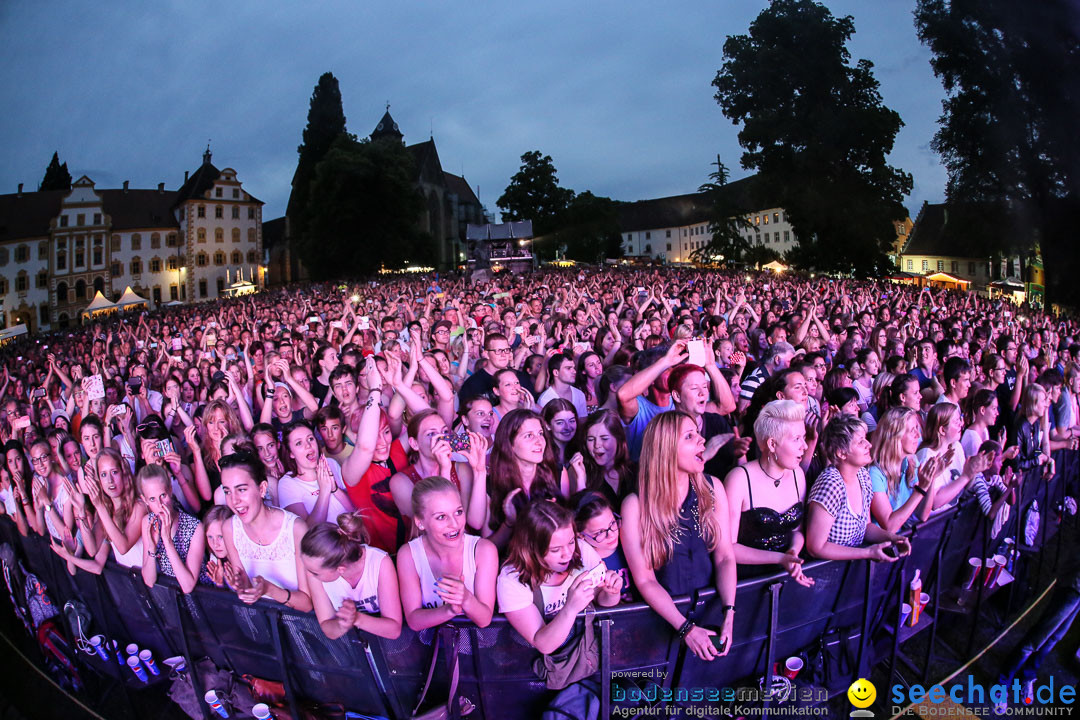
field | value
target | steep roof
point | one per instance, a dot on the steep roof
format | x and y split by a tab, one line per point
428	167
460	187
134	209
678	210
932	235
28	215
386	127
199	181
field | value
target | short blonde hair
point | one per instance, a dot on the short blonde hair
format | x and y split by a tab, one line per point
774	417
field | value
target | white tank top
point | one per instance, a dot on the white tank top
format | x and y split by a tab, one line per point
366	592
275	562
132	558
428	597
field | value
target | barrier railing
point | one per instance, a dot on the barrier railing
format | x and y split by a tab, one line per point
856	604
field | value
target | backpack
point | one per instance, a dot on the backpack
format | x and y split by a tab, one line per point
579	701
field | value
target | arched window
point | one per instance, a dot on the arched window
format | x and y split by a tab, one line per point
80	289
3	256
253	257
237	257
155	240
236	234
22	281
171	240
64	321
136	241
136	266
61	292
155	265
117	268
61	260
172	263
219	235
201	235
219	258
99	284
115	242
201	259
251	234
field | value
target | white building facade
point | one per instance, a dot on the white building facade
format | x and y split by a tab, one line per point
58	247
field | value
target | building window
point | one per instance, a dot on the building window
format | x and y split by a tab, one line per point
924	265
136	241
219	212
155	241
236	235
237	257
219	235
236	193
766	219
99	284
61	260
80	290
172	240
80	219
4	256
648	236
80	258
236	212
201	235
97	218
787	236
98	255
941	265
219	258
669	246
220	285
955	266
114	243
63	221
22	254
971	269
22	282
668	233
3	286
251	213
757	220
136	266
201	212
43	251
173	292
253	257
42	279
172	263
155	265
200	260
43	313
910	263
251	234
62	293
757	239
217	192
202	288
776	217
117	268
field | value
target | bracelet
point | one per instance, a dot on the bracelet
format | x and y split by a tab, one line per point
686	628
919	490
287	597
151	554
728	608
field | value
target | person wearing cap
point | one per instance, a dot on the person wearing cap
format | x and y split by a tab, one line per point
440	336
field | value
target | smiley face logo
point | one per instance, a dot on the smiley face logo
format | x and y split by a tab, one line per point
862	693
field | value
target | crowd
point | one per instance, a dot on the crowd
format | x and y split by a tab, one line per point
416	450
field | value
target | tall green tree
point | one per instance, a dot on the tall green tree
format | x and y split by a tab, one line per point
1007	131
727	219
589	228
815	129
534	194
57	176
325	123
364	211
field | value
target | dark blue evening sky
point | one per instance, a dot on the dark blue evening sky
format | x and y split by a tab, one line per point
618	93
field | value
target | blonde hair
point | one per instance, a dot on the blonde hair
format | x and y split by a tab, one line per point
938	418
774	418
887	451
1030	399
658	491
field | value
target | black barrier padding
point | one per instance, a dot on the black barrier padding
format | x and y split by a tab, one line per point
242	633
128	593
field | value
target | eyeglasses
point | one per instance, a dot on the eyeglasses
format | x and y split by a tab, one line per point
42	460
500	351
606	532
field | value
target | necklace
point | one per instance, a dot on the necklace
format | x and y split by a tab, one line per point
775	480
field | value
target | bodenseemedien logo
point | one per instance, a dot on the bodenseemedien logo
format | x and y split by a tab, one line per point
862	694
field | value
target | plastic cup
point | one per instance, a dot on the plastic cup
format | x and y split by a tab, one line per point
973	574
115	646
147	658
211	698
998	562
923	599
137	668
792	667
98	643
905	611
177	663
132	649
261	711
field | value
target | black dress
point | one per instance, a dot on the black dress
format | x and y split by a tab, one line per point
690	566
763	528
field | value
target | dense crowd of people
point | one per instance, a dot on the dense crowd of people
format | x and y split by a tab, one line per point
419	449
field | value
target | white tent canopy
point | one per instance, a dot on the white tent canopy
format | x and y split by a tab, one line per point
129	298
775	266
99	303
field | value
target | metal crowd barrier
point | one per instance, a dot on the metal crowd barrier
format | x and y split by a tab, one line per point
857	604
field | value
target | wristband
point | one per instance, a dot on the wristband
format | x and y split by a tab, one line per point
919	490
288	597
728	608
686	628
